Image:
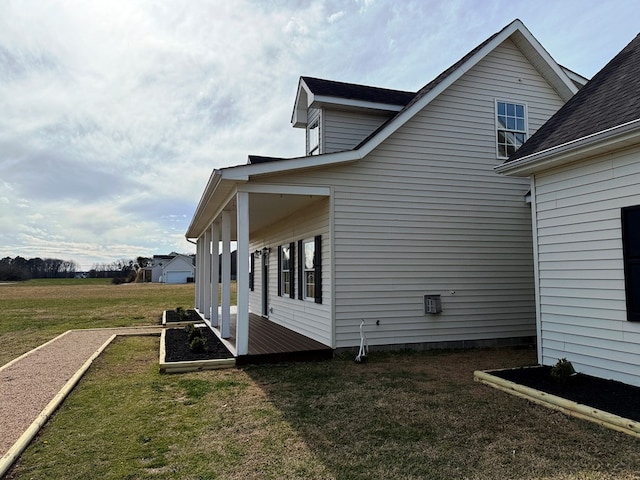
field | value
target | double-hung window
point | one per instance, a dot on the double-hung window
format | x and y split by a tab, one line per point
310	268
511	125
631	254
286	270
313	138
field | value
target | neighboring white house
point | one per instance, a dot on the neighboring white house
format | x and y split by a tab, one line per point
395	209
174	268
584	165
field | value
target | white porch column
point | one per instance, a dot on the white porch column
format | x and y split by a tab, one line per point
198	271
215	272
242	274
207	275
226	275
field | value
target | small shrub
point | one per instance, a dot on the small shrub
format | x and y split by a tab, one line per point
198	344
193	332
562	371
182	313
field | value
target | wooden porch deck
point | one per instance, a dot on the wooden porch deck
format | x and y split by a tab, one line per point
273	343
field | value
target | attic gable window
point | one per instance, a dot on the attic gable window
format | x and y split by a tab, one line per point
313	134
511	125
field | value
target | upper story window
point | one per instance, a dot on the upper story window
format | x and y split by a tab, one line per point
313	138
511	124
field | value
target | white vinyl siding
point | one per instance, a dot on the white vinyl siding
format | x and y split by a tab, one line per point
425	213
582	293
308	318
343	130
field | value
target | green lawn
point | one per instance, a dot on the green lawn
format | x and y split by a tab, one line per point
408	415
34	312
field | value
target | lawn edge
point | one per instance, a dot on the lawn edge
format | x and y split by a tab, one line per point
568	407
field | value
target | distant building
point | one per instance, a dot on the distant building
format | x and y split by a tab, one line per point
173	268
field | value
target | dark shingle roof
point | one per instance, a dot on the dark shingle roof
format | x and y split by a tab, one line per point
253	159
353	91
609	99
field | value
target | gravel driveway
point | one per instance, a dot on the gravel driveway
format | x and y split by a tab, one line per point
30	382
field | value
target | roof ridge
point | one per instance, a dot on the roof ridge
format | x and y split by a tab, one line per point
360	85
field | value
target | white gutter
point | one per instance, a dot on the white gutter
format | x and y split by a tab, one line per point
614	137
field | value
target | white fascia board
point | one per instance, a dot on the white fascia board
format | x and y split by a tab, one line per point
300	106
566	87
212	185
575	77
243	172
403	117
611	139
319	101
279	189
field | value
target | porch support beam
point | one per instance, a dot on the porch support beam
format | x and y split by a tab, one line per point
215	272
206	306
275	189
225	331
242	274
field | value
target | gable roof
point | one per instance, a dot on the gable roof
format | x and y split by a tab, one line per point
316	92
222	181
331	88
610	99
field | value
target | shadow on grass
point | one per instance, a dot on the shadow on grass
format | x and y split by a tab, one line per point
420	415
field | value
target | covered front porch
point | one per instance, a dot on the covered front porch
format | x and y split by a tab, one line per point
272	343
232	212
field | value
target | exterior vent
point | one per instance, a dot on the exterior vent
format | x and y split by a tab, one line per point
432	304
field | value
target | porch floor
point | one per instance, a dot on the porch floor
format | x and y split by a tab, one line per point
273	343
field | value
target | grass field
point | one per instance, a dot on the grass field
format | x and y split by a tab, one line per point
409	415
36	311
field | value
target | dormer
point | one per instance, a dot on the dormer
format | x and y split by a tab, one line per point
337	116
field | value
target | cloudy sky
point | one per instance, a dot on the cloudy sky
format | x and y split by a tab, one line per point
113	113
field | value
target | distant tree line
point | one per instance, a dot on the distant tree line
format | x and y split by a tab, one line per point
121	271
19	268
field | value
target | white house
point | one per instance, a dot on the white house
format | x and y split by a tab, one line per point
395	210
584	166
174	268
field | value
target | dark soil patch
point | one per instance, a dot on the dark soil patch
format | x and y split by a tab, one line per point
177	346
191	316
607	395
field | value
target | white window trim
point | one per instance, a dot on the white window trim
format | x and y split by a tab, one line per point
285	292
497	124
305	269
316	124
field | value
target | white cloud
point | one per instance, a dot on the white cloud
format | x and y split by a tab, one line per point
114	112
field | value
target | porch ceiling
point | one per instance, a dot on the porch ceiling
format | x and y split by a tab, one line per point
266	209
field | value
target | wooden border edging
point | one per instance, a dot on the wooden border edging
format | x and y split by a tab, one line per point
192	366
25	439
578	410
17	448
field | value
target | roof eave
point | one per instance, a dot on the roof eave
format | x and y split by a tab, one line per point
615	138
222	182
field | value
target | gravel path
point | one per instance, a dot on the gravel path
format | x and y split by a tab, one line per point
30	382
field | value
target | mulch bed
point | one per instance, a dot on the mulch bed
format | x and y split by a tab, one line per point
177	346
173	316
607	395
